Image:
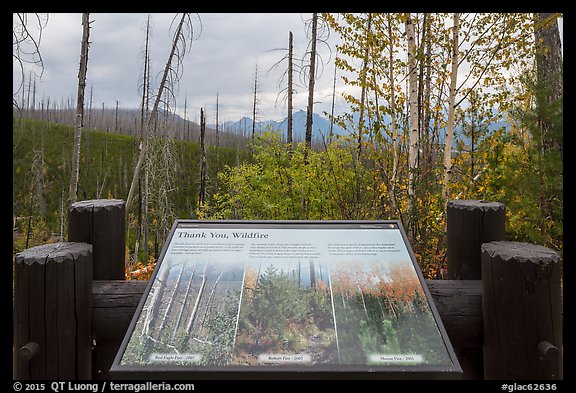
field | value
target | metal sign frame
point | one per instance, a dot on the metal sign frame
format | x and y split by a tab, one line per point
190	239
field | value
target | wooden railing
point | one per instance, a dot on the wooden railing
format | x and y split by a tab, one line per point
502	307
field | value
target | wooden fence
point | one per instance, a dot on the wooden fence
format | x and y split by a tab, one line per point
502	307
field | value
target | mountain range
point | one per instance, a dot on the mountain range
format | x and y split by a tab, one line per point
126	121
320	126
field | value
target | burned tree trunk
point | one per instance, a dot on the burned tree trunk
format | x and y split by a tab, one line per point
202	191
290	90
80	108
184	303
197	303
312	274
312	77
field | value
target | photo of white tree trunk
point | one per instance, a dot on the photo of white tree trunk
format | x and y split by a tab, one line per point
190	315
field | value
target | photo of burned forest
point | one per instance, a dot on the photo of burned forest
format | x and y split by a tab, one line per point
191	310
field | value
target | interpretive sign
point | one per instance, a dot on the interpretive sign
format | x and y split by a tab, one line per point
234	297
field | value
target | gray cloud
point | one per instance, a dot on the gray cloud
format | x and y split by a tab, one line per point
222	60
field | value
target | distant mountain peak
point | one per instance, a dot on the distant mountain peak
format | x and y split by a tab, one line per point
320	125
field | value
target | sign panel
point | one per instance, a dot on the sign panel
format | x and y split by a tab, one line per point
284	296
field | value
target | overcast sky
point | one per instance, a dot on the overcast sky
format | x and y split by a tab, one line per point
222	60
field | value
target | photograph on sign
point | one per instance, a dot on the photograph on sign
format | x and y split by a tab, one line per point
286	296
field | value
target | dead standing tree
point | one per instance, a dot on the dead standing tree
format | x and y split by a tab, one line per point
217	144
311	80
142	226
319	33
26	45
194	312
172	72
202	191
255	102
80	107
289	89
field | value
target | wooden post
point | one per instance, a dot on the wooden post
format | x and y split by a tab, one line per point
522	311
53	312
101	222
469	224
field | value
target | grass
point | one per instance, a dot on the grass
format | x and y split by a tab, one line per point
42	156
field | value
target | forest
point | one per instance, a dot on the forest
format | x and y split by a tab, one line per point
443	106
383	310
331	310
192	309
283	313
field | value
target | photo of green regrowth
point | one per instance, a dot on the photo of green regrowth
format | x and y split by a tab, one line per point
381	308
286	308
